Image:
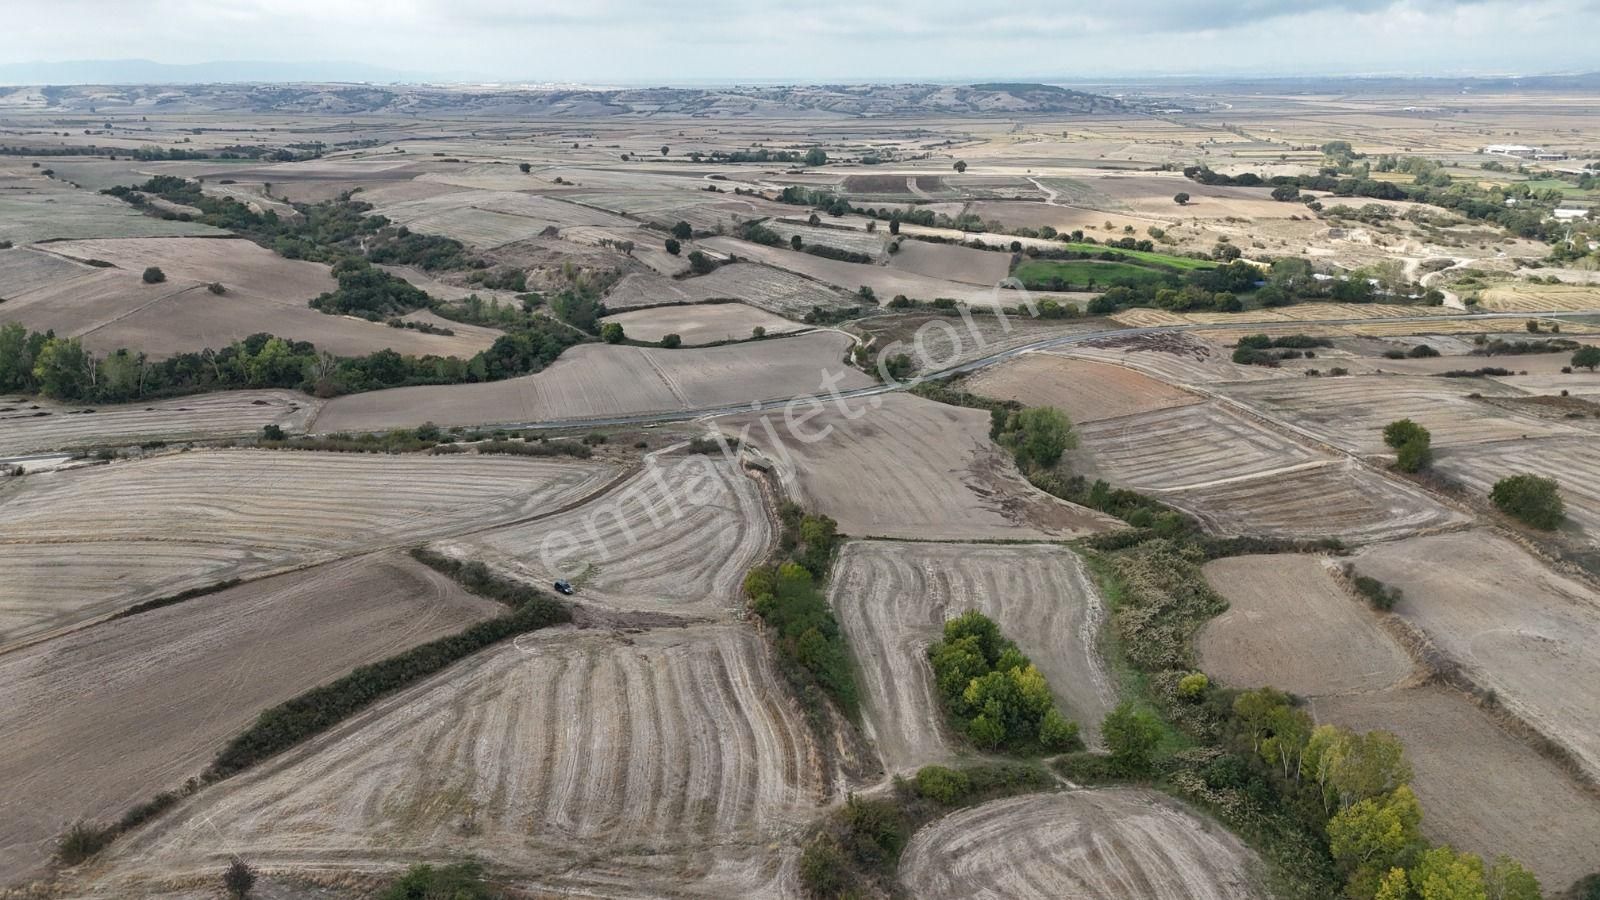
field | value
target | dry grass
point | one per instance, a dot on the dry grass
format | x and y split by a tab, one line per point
35	425
701	324
1085	391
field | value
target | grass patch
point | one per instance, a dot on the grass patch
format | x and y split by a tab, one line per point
1147	256
1042	275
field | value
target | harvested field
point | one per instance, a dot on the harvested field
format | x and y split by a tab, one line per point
1174	358
705	323
1523	297
631	765
1350	413
774	290
1194	446
1085	391
113	308
1573	462
1521	629
23	269
602	380
985	268
1292	626
935	341
1479	786
235	513
218	415
1337	500
489	219
855	240
34	208
679	537
1103	843
910	468
893	599
105	718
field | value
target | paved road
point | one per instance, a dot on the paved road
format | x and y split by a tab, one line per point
688	415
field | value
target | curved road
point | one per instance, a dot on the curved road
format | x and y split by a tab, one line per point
686	415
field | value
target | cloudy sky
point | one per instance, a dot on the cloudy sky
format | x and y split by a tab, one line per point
633	41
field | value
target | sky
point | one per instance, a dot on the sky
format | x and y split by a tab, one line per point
647	41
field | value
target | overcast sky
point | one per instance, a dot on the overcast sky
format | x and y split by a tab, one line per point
632	41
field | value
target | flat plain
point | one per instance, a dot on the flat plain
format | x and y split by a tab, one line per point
700	324
1085	391
35	425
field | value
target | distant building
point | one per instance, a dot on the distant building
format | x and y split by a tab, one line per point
1567	213
1521	151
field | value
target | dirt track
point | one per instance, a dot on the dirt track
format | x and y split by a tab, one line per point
643	764
1107	844
893	598
107	717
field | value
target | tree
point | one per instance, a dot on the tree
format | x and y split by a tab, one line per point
1531	499
813	220
1038	436
1587	357
61	369
1508	879
1414	456
1057	733
272	431
154	275
239	878
682	231
525	168
611	333
1372	834
16	358
960	166
816	157
701	264
894	225
673	247
1181	198
1131	734
670	341
665	149
758	332
1445	874
796	243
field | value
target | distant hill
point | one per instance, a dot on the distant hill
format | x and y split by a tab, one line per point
331	97
143	71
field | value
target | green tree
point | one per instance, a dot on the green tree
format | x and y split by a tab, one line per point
1531	499
1508	879
154	275
960	166
61	369
525	168
1414	456
682	231
1132	735
796	243
670	341
1372	834
16	358
1403	431
1057	733
611	333
1394	885
1587	357
1445	874
1181	198
673	247
943	785
816	157
758	332
1038	436
238	878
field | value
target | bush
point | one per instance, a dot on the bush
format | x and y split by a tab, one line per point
1414	456
1533	500
1058	734
1132	735
1036	436
459	881
83	840
673	247
238	878
216	287
154	275
1193	686
671	341
942	785
611	333
1377	593
824	869
993	693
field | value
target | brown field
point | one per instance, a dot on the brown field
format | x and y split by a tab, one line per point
224	414
1174	358
626	764
1522	630
856	240
1291	625
984	268
1573	462
678	537
910	468
222	514
1192	446
1337	500
1085	391
601	380
34	208
774	290
23	269
935	342
105	718
893	599
1104	843
705	323
489	219
1350	413
1479	786
112	308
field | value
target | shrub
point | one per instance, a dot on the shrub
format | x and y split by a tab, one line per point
83	840
1036	436
238	878
1131	734
1376	592
1533	500
459	881
272	432
154	275
216	287
673	247
1058	734
1586	358
1193	686
1414	456
611	333
671	341
942	785
824	868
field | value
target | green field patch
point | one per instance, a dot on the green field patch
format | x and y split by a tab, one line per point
1160	259
1040	274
